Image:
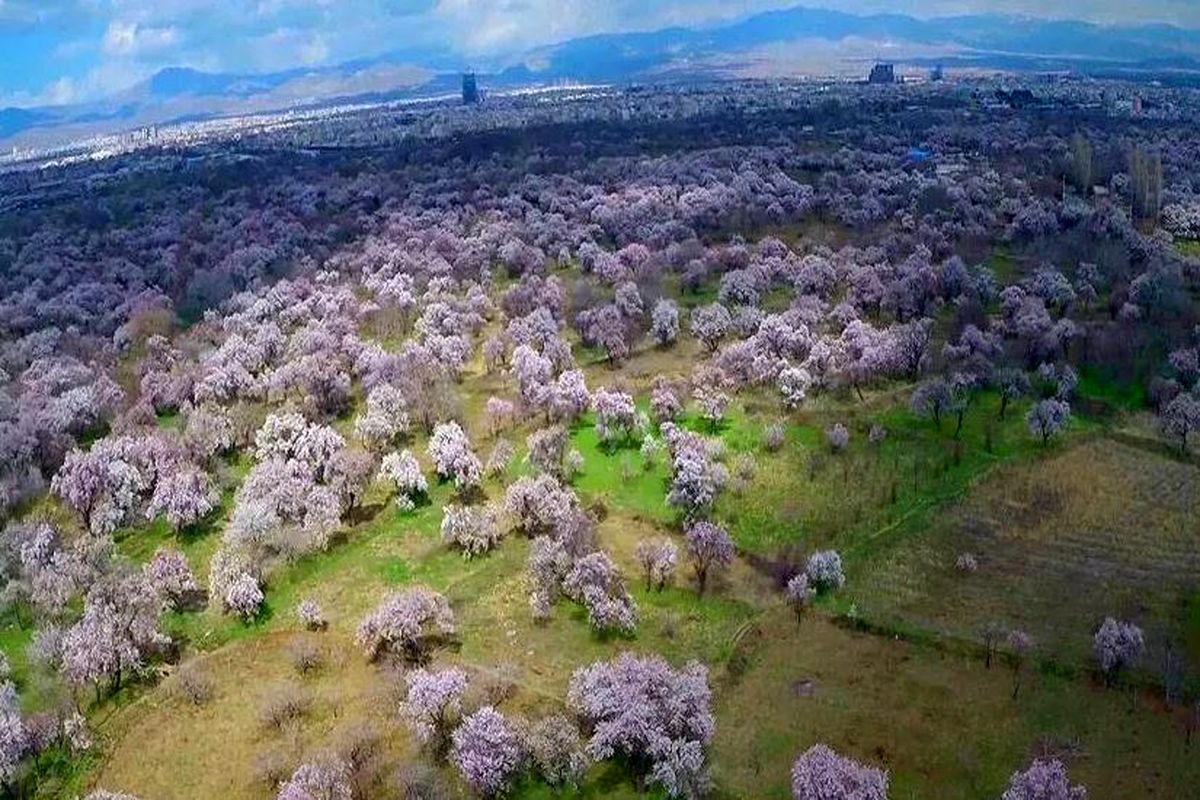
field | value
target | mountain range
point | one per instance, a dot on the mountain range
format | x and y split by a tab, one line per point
795	41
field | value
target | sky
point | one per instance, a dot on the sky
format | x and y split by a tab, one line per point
54	52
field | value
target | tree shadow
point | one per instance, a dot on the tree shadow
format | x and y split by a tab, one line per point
364	513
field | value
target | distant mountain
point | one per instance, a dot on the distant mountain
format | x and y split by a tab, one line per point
989	40
792	41
15	120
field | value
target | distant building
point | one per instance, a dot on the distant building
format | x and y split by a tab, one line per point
937	74
882	73
470	89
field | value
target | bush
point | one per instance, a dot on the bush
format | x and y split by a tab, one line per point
361	747
773	437
500	683
281	704
306	656
419	781
193	684
271	768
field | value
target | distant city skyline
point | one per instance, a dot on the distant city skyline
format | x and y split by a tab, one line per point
65	51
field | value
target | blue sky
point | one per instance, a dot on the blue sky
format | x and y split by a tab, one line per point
61	51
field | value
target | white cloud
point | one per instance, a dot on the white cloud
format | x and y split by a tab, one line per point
313	51
132	39
289	47
270	8
61	92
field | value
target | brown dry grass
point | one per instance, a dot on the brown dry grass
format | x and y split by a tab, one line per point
164	747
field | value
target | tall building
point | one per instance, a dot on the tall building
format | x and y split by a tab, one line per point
470	90
937	74
882	73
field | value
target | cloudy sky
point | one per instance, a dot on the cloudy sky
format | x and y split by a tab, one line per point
62	51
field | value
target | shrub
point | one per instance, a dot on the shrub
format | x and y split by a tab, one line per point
271	768
556	751
193	684
306	657
773	437
281	704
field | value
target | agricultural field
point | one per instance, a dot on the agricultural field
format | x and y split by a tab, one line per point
1102	528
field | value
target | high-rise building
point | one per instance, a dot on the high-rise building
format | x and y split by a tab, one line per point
470	89
937	74
882	73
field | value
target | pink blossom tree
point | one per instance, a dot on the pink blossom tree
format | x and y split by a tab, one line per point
546	566
14	736
171	577
709	547
710	323
183	497
547	449
384	419
328	779
243	596
822	774
664	322
488	752
640	708
1043	780
658	559
433	703
1048	418
403	472
453	457
615	414
116	634
596	581
799	594
1117	645
406	623
824	570
473	529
